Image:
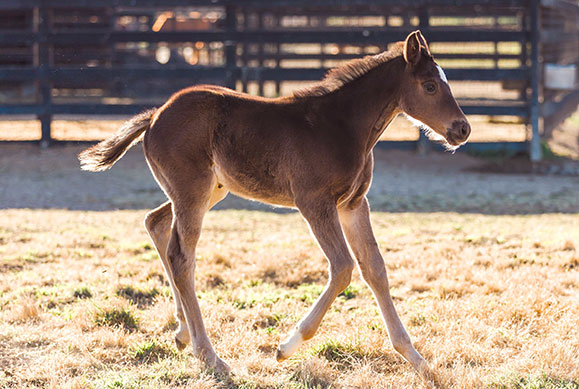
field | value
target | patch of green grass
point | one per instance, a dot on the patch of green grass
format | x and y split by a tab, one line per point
308	381
165	373
350	292
82	293
342	354
264	295
116	317
270	330
118	380
254	283
139	248
243	304
516	381
305	377
375	325
150	351
308	293
269	322
475	239
137	295
33	256
174	378
149	256
417	319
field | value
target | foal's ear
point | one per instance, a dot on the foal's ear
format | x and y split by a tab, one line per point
412	48
422	40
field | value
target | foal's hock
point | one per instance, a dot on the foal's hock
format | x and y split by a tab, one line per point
311	151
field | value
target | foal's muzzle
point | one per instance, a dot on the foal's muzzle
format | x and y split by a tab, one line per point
458	133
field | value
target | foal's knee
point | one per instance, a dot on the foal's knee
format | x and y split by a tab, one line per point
151	221
342	275
158	219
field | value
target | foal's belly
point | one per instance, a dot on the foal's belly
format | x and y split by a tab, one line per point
253	186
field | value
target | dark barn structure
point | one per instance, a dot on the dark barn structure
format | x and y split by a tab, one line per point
514	58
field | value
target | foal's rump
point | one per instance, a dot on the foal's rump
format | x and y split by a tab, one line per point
253	145
243	140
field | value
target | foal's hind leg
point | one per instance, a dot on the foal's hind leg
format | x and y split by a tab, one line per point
358	231
158	224
189	206
324	223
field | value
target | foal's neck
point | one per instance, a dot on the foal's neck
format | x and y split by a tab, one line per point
368	104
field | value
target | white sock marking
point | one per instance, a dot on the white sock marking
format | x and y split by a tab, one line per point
441	73
291	344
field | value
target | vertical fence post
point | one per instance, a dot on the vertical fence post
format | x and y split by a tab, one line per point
535	114
276	21
260	52
45	81
42	61
245	54
230	46
423	145
524	62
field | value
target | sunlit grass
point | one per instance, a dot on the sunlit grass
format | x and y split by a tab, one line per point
490	301
116	317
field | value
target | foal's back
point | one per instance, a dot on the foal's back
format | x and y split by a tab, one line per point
256	147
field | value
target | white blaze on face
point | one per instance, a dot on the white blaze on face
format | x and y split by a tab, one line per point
441	73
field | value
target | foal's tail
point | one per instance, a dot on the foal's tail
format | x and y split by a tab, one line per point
103	155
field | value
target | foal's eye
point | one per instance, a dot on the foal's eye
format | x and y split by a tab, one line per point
429	87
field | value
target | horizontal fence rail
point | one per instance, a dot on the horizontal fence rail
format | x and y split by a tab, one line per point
117	57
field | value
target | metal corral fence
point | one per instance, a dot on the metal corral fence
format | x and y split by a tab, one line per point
509	58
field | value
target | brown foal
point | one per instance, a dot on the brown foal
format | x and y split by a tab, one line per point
311	151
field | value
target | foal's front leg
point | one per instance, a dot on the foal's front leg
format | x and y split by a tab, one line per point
322	218
358	231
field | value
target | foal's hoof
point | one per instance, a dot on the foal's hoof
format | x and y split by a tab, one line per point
429	376
289	347
180	345
279	356
221	367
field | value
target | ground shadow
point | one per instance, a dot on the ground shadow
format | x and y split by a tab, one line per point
403	182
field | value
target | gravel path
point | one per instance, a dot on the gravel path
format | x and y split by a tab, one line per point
403	181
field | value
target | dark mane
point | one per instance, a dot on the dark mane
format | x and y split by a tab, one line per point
350	71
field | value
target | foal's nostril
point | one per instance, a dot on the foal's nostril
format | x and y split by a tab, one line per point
463	129
460	130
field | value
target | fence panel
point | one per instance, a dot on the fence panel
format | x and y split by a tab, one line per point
76	57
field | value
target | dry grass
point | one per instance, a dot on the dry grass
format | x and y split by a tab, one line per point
491	301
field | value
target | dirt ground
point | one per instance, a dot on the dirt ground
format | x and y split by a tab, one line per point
403	181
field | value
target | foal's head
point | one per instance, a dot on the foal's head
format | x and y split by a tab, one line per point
426	95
